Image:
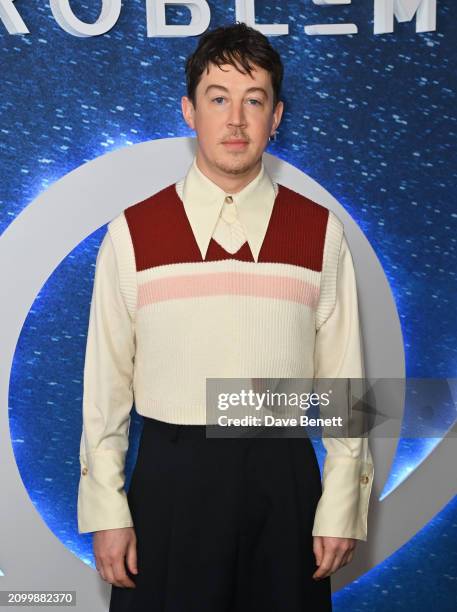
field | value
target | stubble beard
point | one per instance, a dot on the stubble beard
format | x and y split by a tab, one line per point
237	165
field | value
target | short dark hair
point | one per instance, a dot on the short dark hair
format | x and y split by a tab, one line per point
238	43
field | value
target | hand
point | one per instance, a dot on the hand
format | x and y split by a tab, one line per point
331	554
111	547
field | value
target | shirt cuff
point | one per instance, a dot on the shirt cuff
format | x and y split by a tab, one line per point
102	500
342	510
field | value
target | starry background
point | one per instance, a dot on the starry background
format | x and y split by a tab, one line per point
372	118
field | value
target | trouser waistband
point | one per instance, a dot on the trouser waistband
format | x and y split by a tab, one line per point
174	431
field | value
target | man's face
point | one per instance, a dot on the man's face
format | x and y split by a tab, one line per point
233	118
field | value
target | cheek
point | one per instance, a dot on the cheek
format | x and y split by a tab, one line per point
209	128
261	131
260	123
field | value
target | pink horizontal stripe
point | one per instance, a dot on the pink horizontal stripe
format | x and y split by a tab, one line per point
231	283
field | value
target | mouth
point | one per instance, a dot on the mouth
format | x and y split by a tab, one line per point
235	145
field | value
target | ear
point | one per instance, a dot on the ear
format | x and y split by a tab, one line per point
277	114
188	111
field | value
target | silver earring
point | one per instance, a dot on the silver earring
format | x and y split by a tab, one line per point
274	137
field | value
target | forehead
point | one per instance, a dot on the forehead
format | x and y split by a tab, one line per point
228	76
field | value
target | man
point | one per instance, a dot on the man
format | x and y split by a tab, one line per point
223	274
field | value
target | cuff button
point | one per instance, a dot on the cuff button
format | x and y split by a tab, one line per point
364	479
84	471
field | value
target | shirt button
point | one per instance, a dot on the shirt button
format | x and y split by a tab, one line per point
84	471
228	212
364	479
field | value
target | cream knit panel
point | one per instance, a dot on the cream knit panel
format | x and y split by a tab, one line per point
125	257
221	319
332	246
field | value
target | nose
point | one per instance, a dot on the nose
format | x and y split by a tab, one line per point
237	116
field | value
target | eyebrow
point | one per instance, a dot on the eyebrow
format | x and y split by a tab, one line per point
250	89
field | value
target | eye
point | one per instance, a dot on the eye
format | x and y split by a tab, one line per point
218	98
257	102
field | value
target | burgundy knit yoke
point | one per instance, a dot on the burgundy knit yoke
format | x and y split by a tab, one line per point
161	232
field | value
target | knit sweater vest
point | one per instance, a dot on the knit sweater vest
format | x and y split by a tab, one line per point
224	316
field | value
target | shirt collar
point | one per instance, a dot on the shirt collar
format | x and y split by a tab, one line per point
203	201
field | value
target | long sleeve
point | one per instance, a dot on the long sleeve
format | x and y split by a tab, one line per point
107	397
348	468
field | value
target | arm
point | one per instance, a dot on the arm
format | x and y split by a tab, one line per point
341	514
108	396
107	402
348	469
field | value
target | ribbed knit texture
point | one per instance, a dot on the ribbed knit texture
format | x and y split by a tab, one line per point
125	258
332	248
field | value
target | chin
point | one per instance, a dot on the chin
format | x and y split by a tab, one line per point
235	169
235	165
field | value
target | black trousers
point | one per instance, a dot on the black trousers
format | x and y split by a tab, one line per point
223	525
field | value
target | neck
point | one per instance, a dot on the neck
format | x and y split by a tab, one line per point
230	183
